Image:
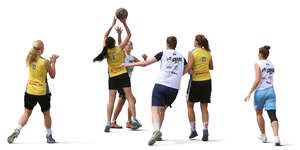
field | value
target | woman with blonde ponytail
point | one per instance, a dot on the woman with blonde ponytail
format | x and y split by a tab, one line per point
37	89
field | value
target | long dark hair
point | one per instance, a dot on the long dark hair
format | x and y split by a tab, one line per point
202	41
109	43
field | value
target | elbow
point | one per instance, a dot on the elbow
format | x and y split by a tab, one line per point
52	76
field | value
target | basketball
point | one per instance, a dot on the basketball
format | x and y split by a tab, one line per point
121	13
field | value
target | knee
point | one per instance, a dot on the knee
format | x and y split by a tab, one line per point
27	113
272	115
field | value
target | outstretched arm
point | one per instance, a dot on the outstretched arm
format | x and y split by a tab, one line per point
256	82
141	63
144	57
108	31
124	43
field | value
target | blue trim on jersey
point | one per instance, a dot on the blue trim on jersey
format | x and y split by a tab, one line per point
47	87
42	57
194	49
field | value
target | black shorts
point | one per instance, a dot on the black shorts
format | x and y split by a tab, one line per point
199	91
121	94
31	100
119	82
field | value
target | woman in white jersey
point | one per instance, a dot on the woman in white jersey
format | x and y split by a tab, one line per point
167	84
264	96
128	59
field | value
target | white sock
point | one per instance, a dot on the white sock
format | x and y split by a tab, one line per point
263	134
19	127
276	139
49	131
114	121
156	126
193	125
205	125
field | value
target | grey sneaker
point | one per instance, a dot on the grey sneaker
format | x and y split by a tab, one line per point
156	135
12	137
50	140
193	134
205	135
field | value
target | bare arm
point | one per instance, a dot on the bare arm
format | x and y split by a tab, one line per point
256	81
108	31
189	66
211	65
141	63
119	31
124	43
144	57
51	65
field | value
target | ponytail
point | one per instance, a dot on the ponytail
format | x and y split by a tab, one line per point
102	55
202	41
35	51
109	43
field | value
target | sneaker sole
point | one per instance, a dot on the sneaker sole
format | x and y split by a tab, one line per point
11	138
153	140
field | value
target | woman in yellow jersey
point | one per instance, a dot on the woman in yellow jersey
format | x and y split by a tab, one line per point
199	89
37	89
118	76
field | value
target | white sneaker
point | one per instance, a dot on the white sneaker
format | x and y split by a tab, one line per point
263	138
277	141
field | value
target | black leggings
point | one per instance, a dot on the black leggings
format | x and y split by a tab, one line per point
272	115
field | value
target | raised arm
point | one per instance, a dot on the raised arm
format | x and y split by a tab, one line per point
124	43
119	31
189	66
256	81
51	65
108	31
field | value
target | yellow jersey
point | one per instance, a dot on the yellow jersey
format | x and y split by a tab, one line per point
37	83
115	57
202	58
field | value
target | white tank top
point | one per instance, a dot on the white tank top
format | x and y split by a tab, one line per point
129	59
267	71
171	69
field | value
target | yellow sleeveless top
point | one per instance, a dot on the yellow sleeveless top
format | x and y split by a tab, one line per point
37	83
115	57
202	58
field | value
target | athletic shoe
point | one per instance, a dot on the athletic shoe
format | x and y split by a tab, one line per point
14	135
135	124
205	135
50	140
193	134
155	136
262	138
128	124
115	125
107	128
277	141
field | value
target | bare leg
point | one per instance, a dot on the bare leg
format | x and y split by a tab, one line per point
47	119
131	101
260	120
162	114
275	127
23	120
111	102
118	108
205	115
129	114
156	120
191	113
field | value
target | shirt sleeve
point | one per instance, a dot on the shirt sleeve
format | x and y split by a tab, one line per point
185	62
158	56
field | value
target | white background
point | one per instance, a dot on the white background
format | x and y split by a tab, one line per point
74	30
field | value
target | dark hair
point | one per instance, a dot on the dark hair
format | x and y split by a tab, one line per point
109	43
172	42
202	41
264	51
